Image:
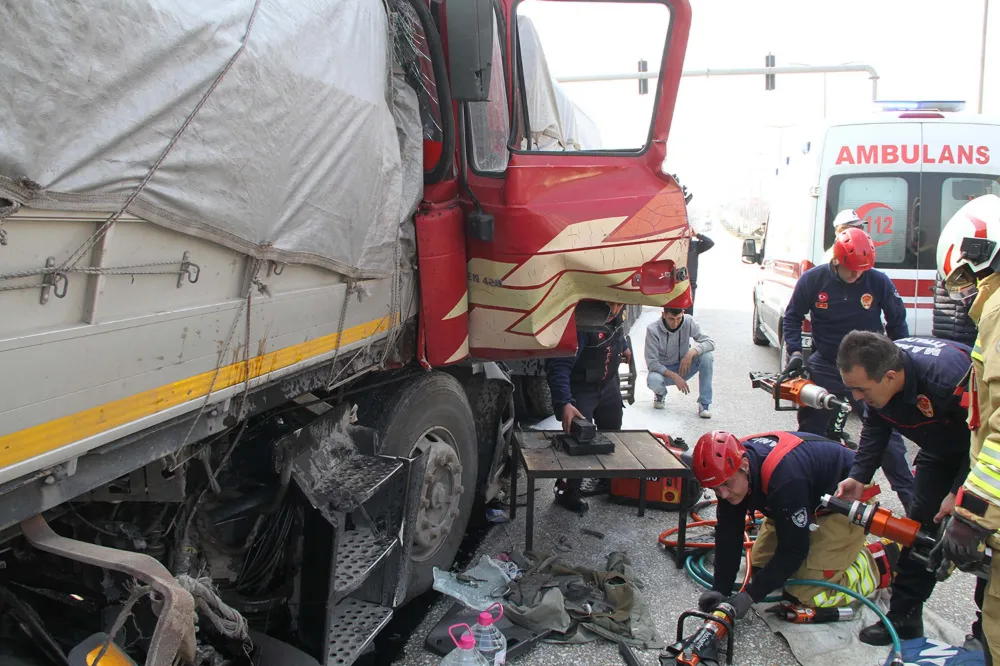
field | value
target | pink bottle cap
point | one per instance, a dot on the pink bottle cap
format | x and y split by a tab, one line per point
486	617
466	642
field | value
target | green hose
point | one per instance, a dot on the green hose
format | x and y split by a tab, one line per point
695	566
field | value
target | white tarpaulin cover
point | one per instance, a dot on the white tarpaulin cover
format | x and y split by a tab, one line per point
556	122
291	139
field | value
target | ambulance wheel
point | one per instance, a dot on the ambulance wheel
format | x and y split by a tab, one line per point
430	414
759	338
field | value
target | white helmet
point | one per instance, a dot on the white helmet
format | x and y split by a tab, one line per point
969	244
847	218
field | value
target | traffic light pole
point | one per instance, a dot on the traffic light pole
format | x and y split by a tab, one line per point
750	71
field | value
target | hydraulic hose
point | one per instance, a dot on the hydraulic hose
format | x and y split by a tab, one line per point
698	571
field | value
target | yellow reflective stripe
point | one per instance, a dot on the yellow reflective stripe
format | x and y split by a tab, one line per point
860	578
986	480
35	440
990	453
977	351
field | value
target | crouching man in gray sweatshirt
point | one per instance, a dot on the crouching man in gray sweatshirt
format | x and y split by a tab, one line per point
677	350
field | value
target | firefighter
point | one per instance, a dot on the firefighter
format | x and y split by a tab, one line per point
968	261
913	385
587	386
844	295
783	475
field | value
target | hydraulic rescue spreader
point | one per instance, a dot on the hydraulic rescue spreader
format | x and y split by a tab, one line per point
881	522
798	389
702	647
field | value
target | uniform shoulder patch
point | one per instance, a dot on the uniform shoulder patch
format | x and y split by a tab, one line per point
925	406
801	517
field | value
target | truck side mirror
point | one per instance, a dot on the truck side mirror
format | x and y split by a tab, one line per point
750	255
470	49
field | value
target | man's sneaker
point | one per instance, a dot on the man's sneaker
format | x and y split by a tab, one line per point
659	401
908	625
703	412
570	497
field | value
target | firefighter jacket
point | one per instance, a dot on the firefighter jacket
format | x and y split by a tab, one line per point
598	355
980	501
836	308
791	497
930	410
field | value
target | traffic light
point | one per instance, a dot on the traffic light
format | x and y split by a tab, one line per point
643	83
769	78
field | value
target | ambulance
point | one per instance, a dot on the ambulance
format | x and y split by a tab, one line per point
906	169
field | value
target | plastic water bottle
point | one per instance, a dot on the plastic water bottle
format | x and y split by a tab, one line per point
464	653
490	641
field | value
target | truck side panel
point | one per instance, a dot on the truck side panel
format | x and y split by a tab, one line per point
156	348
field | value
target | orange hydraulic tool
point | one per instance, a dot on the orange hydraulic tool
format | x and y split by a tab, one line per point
702	647
799	390
906	532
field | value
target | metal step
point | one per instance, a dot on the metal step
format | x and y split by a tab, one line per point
358	552
346	485
353	625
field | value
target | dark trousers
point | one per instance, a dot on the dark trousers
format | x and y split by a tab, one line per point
600	403
818	421
913	584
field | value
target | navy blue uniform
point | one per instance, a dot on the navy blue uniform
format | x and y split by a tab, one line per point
928	411
835	309
590	380
807	472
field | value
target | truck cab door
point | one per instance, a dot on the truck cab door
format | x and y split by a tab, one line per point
569	203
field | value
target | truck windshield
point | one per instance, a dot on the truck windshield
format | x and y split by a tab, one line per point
580	62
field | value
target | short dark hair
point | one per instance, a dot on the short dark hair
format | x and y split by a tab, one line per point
875	353
673	311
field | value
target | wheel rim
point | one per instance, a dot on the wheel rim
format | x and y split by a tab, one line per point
441	493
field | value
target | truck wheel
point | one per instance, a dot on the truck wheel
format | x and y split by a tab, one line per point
538	397
759	338
430	414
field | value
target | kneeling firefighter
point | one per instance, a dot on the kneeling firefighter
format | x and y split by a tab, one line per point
783	475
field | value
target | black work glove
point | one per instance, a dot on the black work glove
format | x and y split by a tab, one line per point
709	600
741	604
794	364
963	542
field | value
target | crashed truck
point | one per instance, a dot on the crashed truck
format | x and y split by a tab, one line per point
261	265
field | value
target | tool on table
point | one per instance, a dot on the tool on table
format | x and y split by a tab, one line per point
702	647
800	390
925	547
583	439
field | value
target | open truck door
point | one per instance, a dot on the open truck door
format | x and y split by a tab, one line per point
567	212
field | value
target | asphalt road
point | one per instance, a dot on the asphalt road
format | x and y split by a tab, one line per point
724	309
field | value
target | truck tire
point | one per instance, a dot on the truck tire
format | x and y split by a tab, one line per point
430	414
538	397
759	338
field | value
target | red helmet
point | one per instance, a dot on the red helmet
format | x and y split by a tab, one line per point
854	250
717	456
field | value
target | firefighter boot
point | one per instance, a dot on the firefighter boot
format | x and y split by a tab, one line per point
568	495
908	624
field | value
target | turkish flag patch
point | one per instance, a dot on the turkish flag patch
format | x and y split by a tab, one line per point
925	406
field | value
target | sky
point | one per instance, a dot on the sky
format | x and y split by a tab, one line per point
726	130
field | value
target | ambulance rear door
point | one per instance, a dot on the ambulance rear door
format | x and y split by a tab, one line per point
875	168
960	160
